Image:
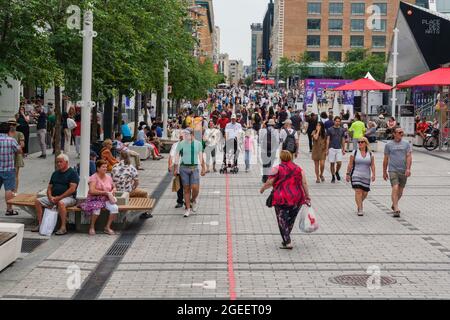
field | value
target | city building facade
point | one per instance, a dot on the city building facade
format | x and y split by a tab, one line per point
236	71
257	45
329	28
224	66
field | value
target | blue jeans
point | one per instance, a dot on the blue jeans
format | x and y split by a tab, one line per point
247	159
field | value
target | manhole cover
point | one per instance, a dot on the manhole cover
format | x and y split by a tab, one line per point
29	245
360	280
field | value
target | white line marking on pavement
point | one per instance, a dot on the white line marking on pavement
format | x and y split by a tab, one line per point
212	223
209	284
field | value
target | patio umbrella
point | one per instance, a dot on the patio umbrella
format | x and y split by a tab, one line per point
259	81
314	104
437	77
336	105
270	82
364	84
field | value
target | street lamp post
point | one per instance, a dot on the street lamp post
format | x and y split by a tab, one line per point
86	104
394	71
165	98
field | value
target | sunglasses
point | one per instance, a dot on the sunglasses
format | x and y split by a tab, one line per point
361	142
400	133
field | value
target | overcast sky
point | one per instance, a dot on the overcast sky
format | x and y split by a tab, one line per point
234	18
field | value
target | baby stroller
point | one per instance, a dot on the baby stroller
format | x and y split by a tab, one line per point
230	157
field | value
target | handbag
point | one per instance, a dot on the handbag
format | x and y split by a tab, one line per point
176	185
308	220
48	223
269	200
71	124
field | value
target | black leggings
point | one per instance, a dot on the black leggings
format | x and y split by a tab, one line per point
310	140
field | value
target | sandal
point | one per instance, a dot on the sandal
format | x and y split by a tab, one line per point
60	232
11	213
109	232
318	181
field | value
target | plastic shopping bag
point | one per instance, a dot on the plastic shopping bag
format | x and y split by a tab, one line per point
48	222
308	221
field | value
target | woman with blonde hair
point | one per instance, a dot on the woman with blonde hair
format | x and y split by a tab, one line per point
107	155
361	171
290	192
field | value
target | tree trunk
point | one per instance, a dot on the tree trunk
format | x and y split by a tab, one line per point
94	124
119	112
146	108
159	103
58	127
108	111
137	102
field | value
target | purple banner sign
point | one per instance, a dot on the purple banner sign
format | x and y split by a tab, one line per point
320	86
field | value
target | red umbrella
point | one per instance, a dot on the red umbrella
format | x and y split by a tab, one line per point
437	77
269	82
363	85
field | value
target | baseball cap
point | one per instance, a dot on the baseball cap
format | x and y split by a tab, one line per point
233	116
188	131
288	121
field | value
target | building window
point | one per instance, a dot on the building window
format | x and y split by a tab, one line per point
382	26
379	42
313	41
422	3
336	8
335	56
357	25
335	25
358	9
314	7
313	24
314	55
383	8
357	41
335	41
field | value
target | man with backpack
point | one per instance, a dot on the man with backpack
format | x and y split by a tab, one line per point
269	141
256	120
289	138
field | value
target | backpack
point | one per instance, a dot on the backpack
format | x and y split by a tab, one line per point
289	143
257	118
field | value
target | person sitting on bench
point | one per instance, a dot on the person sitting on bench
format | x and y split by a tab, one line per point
61	193
107	155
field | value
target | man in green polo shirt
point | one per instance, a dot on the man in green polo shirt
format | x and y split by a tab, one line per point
191	152
359	129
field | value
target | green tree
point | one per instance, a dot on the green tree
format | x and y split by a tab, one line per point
331	68
304	63
248	81
359	62
285	68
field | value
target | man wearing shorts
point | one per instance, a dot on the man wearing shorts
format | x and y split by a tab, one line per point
8	148
191	152
398	155
335	148
61	193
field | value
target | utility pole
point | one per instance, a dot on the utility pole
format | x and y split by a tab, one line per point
394	71
86	104
165	98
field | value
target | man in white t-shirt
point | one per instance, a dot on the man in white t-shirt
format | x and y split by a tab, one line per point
232	133
172	159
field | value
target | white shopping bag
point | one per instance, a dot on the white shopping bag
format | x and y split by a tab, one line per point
308	221
48	222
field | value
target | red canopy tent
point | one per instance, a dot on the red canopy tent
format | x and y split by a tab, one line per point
364	84
437	77
263	81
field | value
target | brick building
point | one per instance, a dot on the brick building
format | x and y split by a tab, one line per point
329	28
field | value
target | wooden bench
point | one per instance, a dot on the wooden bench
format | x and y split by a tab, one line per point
135	205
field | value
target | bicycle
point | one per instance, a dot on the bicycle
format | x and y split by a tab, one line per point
432	141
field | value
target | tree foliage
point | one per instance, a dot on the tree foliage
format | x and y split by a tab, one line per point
359	61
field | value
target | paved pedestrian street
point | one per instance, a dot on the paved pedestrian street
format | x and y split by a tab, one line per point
230	247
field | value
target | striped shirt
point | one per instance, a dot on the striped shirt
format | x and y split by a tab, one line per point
8	149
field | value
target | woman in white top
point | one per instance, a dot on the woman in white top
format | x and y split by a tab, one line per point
211	137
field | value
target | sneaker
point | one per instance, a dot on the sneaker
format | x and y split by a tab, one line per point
338	177
35	229
360	213
194	206
397	214
187	213
179	205
333	180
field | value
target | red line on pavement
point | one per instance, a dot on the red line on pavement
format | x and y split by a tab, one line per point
231	279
